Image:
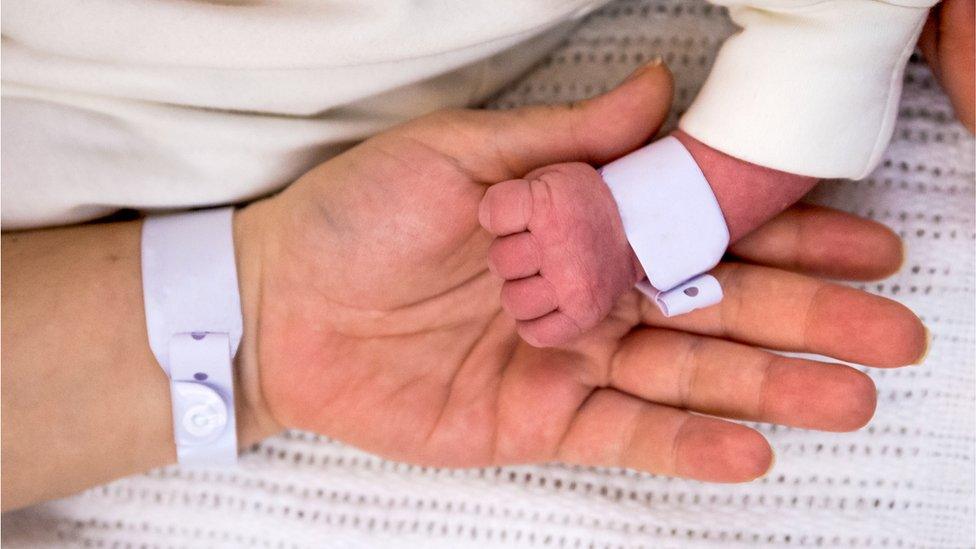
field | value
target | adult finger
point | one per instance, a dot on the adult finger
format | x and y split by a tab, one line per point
787	311
612	429
722	378
493	146
948	43
824	242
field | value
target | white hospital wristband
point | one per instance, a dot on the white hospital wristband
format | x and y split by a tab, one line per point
193	316
673	223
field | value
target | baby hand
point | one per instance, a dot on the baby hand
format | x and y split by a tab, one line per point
561	249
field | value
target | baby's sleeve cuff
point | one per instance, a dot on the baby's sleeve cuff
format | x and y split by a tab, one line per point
808	87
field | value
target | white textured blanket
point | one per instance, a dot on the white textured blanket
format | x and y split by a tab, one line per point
906	480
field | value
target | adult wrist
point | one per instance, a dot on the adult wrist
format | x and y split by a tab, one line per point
255	421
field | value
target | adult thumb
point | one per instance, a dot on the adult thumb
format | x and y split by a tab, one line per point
511	143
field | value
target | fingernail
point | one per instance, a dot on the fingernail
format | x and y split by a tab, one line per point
928	345
655	61
772	463
904	256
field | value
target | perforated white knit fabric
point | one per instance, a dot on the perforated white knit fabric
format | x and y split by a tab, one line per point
907	480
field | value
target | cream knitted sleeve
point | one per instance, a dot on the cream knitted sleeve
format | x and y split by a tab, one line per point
808	86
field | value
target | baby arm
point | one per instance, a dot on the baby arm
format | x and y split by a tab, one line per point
801	89
748	194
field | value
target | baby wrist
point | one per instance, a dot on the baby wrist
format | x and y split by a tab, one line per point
673	222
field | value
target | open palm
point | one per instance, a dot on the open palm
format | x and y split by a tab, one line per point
380	324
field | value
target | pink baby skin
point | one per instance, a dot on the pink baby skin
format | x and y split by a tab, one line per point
560	245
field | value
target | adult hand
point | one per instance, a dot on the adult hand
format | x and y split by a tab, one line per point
948	42
373	319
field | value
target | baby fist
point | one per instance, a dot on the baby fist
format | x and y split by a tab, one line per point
561	249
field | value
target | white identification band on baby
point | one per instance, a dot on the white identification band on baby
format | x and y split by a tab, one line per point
673	223
194	321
